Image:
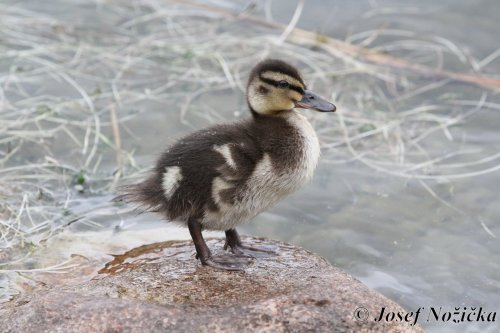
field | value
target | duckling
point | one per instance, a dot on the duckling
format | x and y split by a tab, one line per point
222	176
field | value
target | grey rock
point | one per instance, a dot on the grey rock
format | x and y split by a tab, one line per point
162	288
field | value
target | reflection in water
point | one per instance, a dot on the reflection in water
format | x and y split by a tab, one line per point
139	256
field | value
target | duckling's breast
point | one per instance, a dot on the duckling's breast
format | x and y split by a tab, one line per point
289	158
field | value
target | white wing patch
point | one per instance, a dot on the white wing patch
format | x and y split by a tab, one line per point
171	180
225	151
218	186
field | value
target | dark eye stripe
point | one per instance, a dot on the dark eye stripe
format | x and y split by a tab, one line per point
276	84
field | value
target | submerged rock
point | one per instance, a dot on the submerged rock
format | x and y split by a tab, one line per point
162	288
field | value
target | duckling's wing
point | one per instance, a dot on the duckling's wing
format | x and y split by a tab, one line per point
198	172
215	164
240	160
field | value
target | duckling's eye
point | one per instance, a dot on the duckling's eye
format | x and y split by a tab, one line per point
283	84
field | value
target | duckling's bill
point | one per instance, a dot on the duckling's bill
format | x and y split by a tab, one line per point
312	101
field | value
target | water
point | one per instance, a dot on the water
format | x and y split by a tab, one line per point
387	231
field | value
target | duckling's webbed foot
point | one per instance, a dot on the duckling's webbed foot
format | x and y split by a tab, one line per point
233	241
230	263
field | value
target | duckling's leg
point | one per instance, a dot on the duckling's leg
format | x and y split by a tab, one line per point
233	241
203	252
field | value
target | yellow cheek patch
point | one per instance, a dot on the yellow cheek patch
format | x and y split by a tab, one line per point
294	95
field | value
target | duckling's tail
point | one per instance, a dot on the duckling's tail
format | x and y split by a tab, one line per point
146	196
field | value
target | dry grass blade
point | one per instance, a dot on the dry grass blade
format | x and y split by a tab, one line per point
302	36
118	144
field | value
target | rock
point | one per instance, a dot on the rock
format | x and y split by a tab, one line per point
162	288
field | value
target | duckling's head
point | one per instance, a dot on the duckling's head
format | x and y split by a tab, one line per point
275	86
